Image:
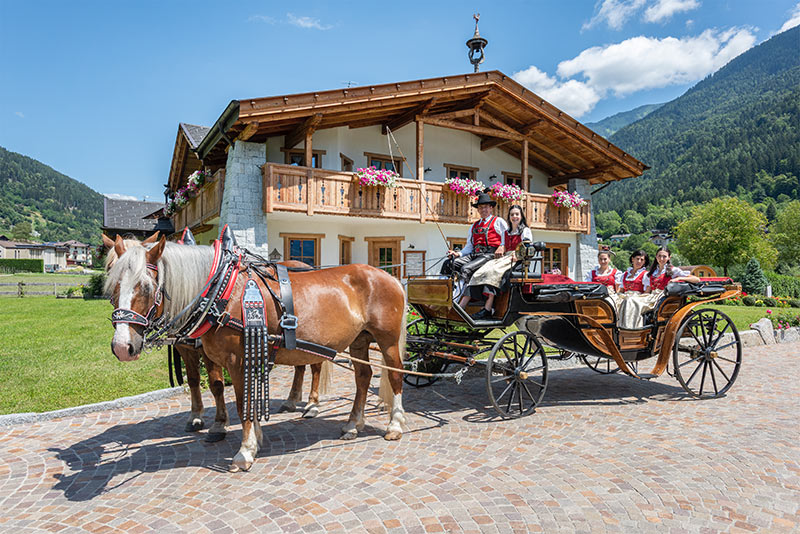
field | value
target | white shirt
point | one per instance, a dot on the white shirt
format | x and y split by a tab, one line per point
588	277
628	274
675	272
500	226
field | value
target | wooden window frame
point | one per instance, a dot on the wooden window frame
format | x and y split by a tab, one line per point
405	261
344	160
374	240
342	240
564	247
398	161
453	241
317	238
516	178
473	171
289	152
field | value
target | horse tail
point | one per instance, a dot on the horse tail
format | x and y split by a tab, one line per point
385	392
325	377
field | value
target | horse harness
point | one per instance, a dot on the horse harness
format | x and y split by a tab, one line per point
210	309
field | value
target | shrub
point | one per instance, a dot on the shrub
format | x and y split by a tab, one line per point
784	320
753	280
784	285
95	286
9	265
749	300
794	303
769	301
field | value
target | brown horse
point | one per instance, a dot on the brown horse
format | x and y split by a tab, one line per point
341	307
191	357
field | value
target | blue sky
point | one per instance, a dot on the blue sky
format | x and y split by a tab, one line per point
97	89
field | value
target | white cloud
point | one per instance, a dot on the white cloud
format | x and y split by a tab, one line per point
261	18
308	23
572	96
19	114
614	12
117	196
794	19
664	9
647	63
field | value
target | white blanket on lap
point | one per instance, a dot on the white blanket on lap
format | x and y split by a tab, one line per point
631	305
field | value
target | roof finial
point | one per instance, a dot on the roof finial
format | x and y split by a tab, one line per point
476	45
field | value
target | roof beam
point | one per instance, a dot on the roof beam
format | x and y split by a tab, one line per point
477	130
248	132
307	127
588	174
492	142
408	117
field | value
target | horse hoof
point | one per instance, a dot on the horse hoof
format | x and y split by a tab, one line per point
286	407
195	425
213	437
392	435
240	463
349	434
311	411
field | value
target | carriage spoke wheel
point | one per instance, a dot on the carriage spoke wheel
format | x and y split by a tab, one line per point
707	353
419	335
604	366
516	374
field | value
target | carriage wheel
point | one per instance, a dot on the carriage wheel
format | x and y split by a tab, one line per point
604	366
706	360
516	374
417	346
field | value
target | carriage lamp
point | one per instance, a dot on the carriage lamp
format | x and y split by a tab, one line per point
476	45
164	226
275	255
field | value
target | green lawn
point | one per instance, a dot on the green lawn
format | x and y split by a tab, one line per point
45	277
56	353
744	316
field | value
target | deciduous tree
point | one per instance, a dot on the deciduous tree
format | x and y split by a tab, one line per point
785	234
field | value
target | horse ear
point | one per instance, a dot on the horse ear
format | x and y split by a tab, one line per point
152	239
154	253
119	246
107	241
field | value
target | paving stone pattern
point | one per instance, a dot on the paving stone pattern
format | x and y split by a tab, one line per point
603	454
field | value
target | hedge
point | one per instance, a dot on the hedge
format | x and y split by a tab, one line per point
784	285
21	266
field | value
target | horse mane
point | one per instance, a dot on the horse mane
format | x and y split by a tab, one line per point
182	271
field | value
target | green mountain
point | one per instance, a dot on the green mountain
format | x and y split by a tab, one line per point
59	207
736	132
610	125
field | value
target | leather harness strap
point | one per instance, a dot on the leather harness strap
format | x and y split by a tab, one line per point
288	321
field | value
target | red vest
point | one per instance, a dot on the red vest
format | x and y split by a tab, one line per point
485	234
660	282
607	279
637	284
513	241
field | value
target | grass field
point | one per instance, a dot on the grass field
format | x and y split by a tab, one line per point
74	279
56	353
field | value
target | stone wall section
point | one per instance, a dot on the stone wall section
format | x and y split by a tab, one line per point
586	251
242	197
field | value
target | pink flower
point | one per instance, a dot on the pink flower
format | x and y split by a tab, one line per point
769	311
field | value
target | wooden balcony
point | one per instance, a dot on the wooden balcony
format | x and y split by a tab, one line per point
306	190
203	207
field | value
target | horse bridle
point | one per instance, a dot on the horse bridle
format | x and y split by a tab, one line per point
124	315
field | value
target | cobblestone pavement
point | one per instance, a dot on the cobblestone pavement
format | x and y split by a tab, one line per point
604	454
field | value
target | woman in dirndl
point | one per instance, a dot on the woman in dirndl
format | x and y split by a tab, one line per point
662	272
633	297
494	275
604	273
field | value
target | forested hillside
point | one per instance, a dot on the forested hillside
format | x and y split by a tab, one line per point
736	132
58	207
610	125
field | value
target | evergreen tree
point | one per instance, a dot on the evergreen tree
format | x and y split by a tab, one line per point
753	279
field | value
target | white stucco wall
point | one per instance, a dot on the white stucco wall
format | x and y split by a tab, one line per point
442	145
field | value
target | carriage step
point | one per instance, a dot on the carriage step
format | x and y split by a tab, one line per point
647	376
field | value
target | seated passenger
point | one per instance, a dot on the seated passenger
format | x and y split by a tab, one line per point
489	279
635	278
633	298
604	273
662	272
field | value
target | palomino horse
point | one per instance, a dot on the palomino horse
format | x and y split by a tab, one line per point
191	356
348	306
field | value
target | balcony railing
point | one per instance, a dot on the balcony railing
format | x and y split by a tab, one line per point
204	206
306	190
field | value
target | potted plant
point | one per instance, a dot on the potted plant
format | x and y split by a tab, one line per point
464	186
508	192
182	196
565	199
379	177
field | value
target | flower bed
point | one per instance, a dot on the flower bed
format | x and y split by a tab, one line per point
373	176
507	192
565	199
464	186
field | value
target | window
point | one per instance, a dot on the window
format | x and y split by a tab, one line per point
302	247
297	156
345	250
513	178
556	256
347	163
456	243
384	253
383	161
460	171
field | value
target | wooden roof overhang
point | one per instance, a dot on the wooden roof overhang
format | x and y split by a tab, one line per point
491	105
184	159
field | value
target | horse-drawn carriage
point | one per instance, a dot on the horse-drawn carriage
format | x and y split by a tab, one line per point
577	318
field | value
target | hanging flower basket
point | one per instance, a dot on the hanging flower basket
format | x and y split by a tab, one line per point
183	195
564	199
464	186
373	176
507	192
